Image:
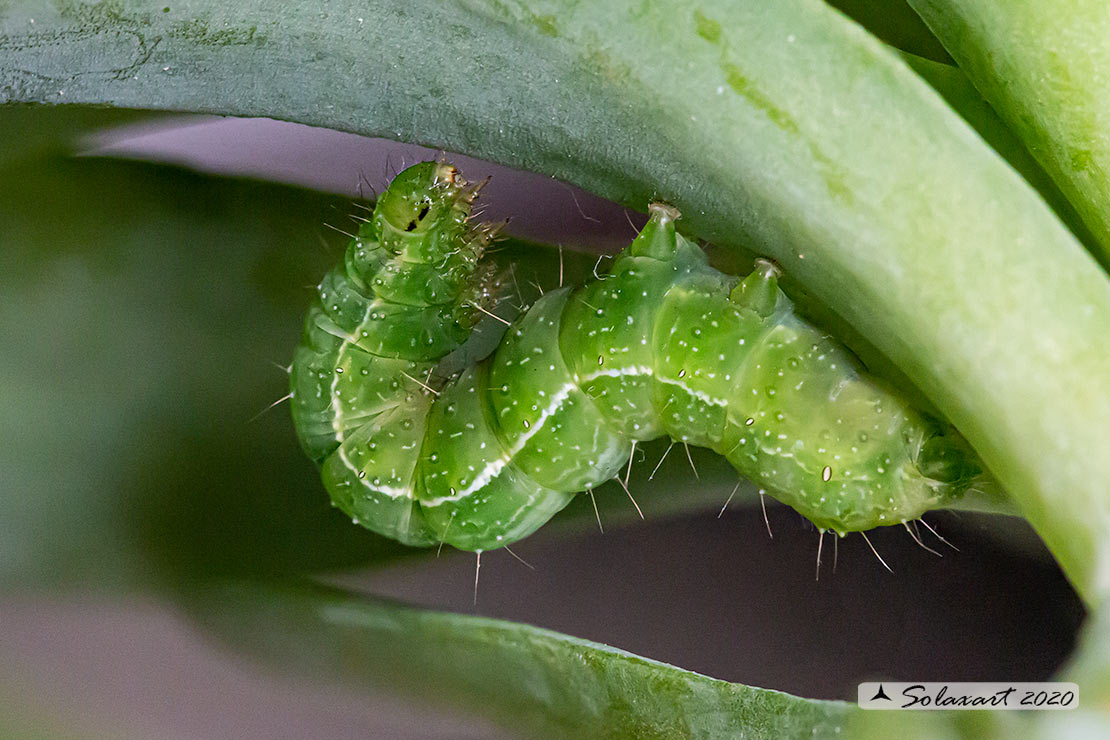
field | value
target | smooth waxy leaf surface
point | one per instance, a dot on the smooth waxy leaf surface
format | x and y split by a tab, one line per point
1043	66
533	680
896	23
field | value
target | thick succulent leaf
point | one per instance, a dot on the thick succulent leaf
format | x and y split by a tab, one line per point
959	93
532	680
782	127
896	23
1042	65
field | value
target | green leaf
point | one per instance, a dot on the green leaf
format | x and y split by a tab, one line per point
959	93
1042	65
896	23
779	127
532	680
1090	666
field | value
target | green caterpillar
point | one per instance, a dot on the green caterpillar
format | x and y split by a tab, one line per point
662	345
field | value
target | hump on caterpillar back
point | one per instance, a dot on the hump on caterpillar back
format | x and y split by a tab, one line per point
422	216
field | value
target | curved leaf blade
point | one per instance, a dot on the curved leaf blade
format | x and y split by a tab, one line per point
896	23
1042	65
532	680
958	92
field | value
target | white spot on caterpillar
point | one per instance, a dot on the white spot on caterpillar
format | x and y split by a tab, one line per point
700	395
390	491
826	474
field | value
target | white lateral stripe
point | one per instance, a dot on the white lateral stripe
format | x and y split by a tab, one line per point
619	372
337	417
494	467
492	470
700	395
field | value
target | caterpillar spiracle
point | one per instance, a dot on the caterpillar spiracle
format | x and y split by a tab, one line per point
663	344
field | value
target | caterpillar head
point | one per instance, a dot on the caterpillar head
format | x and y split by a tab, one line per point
947	458
423	214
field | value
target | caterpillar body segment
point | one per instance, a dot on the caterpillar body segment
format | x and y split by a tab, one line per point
662	345
472	492
404	296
